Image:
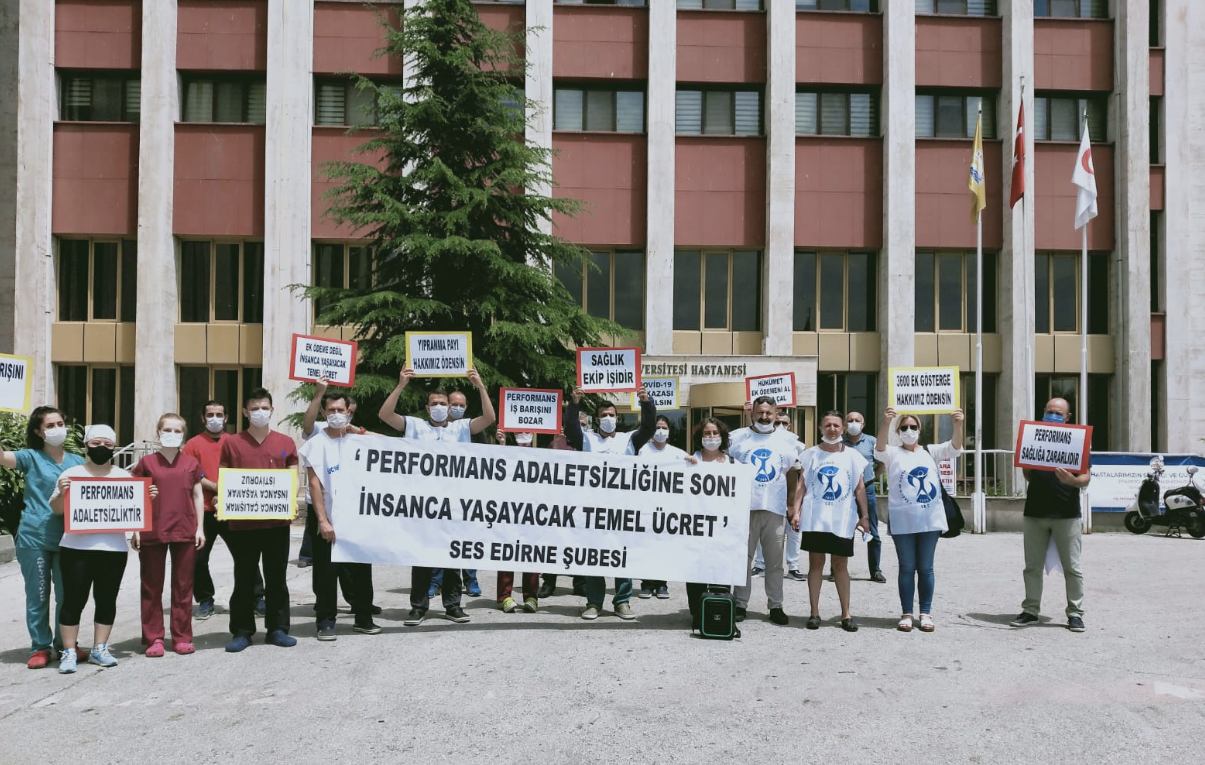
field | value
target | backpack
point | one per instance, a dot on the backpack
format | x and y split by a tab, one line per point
954	519
717	614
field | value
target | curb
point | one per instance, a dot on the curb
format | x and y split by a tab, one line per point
8	550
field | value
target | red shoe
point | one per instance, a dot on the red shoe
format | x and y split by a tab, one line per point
183	648
155	649
38	659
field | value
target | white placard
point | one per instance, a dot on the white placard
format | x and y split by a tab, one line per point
949	476
107	505
439	354
15	383
526	410
1047	446
315	357
256	495
663	391
608	370
780	387
923	390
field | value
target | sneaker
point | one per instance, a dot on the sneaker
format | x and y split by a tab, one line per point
591	613
531	605
280	638
67	662
662	592
367	628
155	649
878	577
741	614
645	593
261	607
509	605
183	647
456	614
1024	620
796	574
1075	624
547	590
38	659
238	644
474	589
326	631
205	609
624	611
757	572
100	655
415	617
779	617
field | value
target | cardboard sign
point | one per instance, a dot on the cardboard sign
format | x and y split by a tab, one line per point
15	383
949	476
315	357
923	390
107	505
439	354
662	390
608	370
1049	446
780	387
257	495
527	410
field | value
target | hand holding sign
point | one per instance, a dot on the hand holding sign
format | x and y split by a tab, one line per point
608	370
780	387
923	390
1054	447
439	354
317	358
529	411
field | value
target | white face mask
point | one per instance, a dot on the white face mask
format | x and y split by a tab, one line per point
711	443
780	426
456	412
607	424
853	428
909	437
171	440
660	435
215	424
523	439
260	418
831	441
763	427
54	436
438	412
338	420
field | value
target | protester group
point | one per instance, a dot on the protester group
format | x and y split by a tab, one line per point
817	500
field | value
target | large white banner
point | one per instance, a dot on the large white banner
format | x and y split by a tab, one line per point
460	505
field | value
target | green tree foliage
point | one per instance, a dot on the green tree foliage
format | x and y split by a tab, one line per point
12	482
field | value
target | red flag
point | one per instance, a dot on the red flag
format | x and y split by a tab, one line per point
1018	189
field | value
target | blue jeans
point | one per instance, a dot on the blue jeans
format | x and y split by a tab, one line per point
915	554
874	548
596	591
469	575
41	570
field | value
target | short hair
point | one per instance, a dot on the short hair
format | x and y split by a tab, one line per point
833	413
436	392
335	395
662	418
764	400
36	417
351	400
213	402
172	416
257	394
698	434
605	405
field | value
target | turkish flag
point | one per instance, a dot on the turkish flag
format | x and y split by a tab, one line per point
1018	188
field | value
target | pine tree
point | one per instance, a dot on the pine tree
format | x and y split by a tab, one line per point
444	196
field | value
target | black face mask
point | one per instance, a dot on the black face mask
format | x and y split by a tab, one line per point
100	455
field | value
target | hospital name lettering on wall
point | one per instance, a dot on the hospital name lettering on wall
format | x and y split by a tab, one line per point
696	370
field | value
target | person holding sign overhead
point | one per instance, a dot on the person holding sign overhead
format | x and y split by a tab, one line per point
659	449
916	513
458	405
1052	513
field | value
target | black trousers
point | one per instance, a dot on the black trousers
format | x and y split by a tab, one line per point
420	585
324	575
249	547
202	586
346	585
95	571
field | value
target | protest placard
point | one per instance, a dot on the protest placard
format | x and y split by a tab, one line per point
529	410
16	382
315	357
662	390
608	370
256	495
107	505
949	478
923	390
780	387
439	354
463	505
1049	446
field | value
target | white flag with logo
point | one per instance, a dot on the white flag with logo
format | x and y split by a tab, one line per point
1084	178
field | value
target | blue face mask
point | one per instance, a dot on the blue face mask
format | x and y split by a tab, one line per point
1052	417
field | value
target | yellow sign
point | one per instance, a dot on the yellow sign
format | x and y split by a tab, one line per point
257	495
662	390
439	354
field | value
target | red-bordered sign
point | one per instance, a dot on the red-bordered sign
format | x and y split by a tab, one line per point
780	387
529	410
608	370
107	505
1050	446
314	357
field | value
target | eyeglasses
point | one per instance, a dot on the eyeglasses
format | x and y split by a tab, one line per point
909	427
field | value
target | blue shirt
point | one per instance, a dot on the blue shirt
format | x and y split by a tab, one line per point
865	447
40	528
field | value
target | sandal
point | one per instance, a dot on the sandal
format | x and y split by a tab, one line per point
849	625
813	622
926	623
905	624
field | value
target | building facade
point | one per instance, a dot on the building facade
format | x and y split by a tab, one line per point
771	186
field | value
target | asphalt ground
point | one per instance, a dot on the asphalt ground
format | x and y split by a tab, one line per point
551	688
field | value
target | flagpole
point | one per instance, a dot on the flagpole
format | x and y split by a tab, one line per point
1082	404
979	501
1028	283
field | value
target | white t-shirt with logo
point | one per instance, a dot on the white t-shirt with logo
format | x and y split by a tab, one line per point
914	487
109	542
772	457
669	453
620	443
831	478
324	454
455	430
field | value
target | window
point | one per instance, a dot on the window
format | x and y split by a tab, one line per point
1058	118
1084	9
718	112
1066	387
99	97
1156	120
717	289
952	114
945	292
98	395
860	6
831	113
341	266
848	393
98	281
1156	259
586	2
835	290
228	98
340	101
615	111
609	284
225	384
1057	292
222	281
722	5
939	428
957	7
1156	25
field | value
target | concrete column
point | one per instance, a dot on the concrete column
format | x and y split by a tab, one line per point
9	47
287	171
1015	392
1184	221
1131	325
778	275
34	300
659	243
538	85
157	309
897	269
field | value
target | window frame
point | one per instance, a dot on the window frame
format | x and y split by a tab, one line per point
990	132
989	5
761	6
846	297
704	90
64	76
1079	7
243	79
872	7
90	307
213	279
731	253
347	246
123	375
1080	273
349	88
1088	101
614	92
875	101
235	421
587	271
991	320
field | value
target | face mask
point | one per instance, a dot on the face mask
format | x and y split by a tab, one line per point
780	426
338	420
660	435
100	455
456	411
260	417
607	424
523	439
831	441
763	427
54	436
215	424
171	440
853	428
439	412
1052	417
909	437
711	443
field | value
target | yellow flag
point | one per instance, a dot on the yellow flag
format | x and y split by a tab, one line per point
975	180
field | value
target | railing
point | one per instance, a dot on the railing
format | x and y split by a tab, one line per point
1000	478
128	456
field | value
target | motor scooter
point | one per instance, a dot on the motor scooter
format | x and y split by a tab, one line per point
1182	507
